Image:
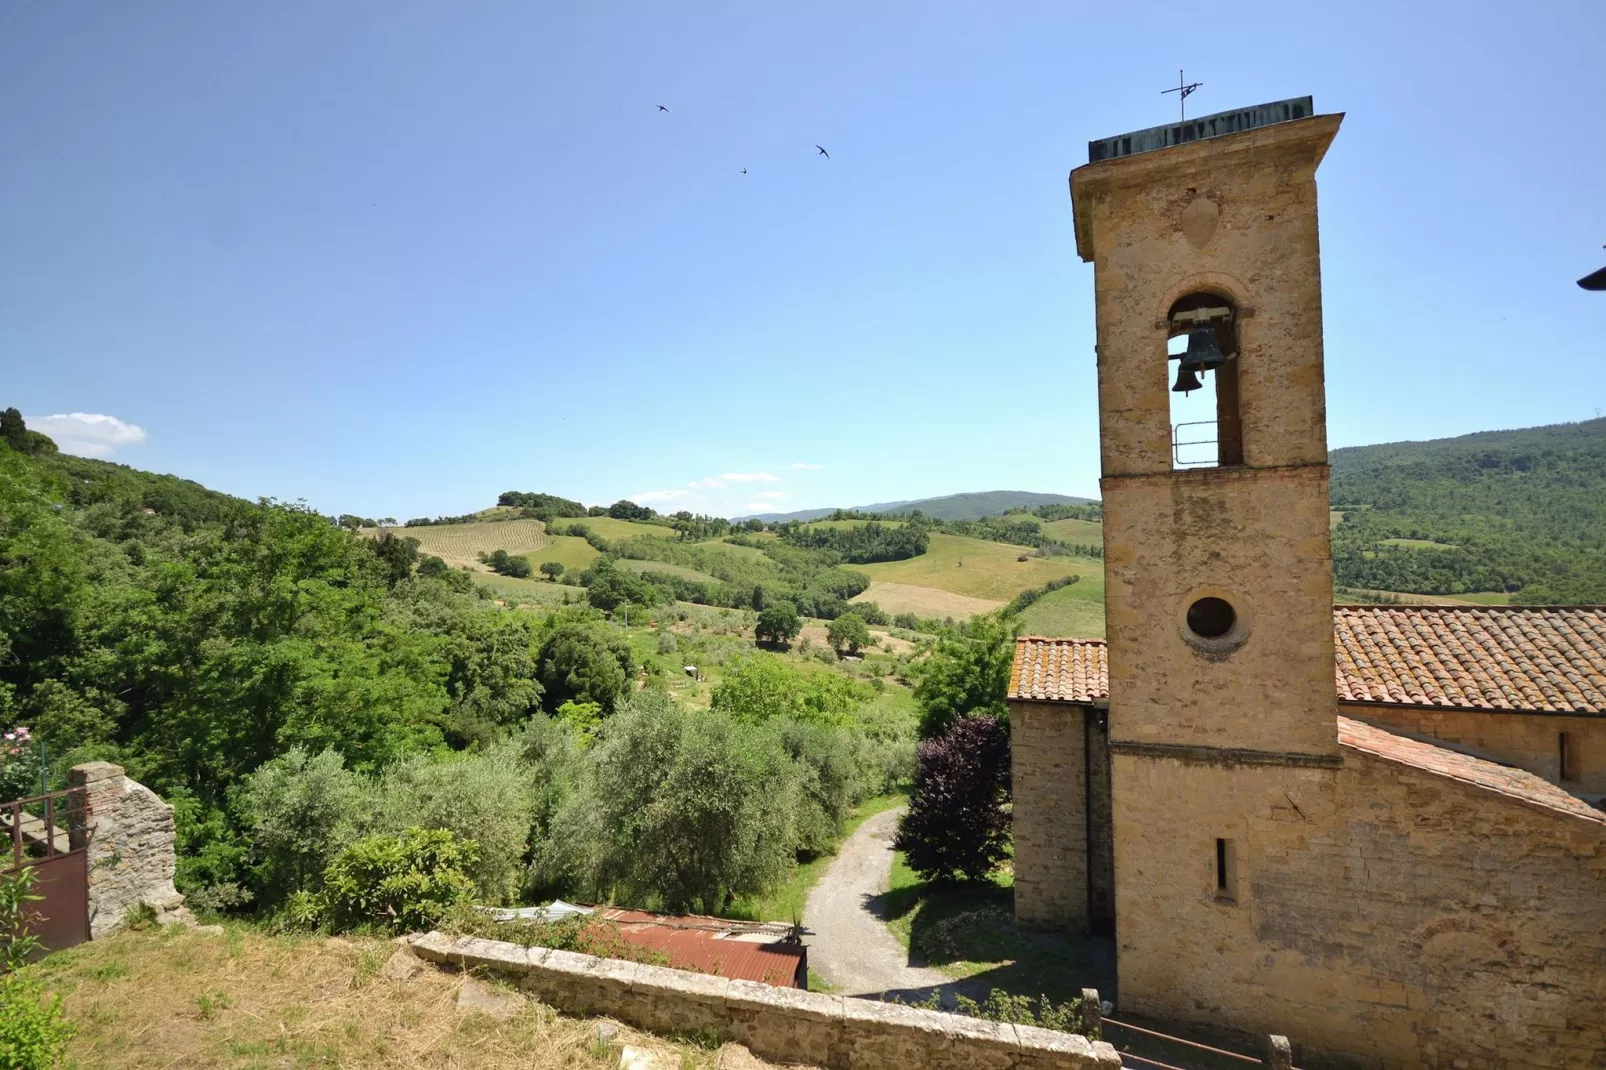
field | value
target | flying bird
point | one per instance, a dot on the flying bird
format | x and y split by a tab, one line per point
744	170
827	155
662	108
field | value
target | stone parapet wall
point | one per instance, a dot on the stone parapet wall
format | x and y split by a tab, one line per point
131	848
783	1024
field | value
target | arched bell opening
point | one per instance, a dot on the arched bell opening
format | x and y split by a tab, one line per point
1202	342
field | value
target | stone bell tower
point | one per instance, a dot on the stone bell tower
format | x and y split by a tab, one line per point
1218	574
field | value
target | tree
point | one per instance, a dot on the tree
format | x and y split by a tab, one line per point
552	570
430	565
624	509
967	672
13	431
778	624
957	824
583	660
505	564
848	633
396	554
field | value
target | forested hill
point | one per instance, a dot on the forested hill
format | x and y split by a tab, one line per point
972	505
1521	512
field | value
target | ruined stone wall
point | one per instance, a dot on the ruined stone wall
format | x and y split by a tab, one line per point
1403	918
131	854
780	1024
1048	765
1527	740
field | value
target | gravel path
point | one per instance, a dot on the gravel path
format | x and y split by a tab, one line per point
851	946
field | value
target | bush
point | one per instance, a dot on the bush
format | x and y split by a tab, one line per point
827	782
956	825
301	809
33	1029
848	633
486	798
401	883
666	641
689	810
505	564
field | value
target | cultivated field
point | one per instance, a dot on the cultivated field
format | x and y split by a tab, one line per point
612	529
977	568
461	544
925	601
570	551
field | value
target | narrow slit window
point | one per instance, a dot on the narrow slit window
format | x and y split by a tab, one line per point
1567	752
1226	871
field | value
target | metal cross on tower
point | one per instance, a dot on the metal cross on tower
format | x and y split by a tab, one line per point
1184	87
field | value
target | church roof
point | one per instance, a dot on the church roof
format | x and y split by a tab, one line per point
1531	659
1466	768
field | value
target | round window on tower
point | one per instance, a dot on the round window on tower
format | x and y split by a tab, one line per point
1215	622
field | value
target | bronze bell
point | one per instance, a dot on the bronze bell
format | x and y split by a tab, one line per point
1203	354
1186	381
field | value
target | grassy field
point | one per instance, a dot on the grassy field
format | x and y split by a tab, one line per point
977	569
533	593
461	544
1076	611
1334	519
668	569
1351	597
570	551
611	529
177	998
1089	532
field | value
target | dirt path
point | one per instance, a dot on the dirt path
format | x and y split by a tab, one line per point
851	947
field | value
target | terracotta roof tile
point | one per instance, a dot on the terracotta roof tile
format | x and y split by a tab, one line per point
738	950
1544	659
1059	670
1463	767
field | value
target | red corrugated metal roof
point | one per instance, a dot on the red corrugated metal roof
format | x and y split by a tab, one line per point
738	950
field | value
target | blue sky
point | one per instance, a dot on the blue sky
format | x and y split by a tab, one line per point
393	258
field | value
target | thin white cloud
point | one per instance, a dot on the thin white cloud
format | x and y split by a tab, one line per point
87	434
805	466
725	479
775	495
657	496
760	507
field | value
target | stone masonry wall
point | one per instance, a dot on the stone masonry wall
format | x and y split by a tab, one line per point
1048	763
782	1024
1383	916
1526	740
1101	843
131	855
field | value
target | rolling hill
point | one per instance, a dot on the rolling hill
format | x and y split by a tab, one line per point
972	505
1514	513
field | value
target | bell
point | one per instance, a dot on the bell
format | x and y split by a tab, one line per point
1186	381
1203	354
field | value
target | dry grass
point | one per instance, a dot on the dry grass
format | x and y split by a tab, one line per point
177	998
977	568
925	601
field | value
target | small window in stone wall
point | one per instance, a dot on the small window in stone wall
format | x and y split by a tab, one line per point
1226	871
1568	754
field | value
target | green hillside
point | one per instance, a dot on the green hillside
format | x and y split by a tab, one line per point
1521	512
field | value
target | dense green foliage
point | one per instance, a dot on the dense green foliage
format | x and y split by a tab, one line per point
966	673
957	825
505	564
1516	511
541	506
862	543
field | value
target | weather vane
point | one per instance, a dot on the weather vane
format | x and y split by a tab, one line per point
1184	87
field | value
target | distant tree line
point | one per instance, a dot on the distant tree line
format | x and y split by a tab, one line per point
862	544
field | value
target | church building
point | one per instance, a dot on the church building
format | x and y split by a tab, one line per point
1368	829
